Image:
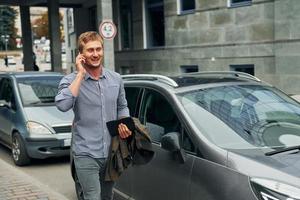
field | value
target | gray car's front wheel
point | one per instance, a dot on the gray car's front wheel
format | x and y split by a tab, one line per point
18	149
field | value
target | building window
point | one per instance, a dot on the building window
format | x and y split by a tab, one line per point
248	68
126	24
237	3
92	18
126	70
70	20
155	22
189	68
186	6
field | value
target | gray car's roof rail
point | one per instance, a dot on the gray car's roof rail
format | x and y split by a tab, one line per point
160	78
222	73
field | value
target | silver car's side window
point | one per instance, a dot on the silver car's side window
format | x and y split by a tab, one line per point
187	143
132	97
158	115
6	92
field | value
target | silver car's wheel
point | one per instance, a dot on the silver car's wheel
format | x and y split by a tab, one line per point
18	149
15	149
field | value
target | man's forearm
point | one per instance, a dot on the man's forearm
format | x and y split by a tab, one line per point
75	85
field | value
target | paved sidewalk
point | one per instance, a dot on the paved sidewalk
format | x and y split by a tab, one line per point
16	185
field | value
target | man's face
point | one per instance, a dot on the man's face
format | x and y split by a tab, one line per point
93	53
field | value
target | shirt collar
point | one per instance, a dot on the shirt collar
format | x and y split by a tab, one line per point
104	74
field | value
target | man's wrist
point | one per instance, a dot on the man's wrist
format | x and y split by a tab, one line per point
81	75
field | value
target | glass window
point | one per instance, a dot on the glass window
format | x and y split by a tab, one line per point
189	68
158	115
155	23
187	143
244	116
236	3
126	70
7	93
126	23
132	97
249	68
38	90
187	5
92	18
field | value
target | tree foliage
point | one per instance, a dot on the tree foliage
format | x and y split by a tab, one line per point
7	26
41	26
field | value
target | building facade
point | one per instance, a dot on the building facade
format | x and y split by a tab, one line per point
260	37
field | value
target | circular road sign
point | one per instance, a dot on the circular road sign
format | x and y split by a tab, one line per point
107	29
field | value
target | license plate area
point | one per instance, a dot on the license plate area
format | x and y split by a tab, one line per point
67	142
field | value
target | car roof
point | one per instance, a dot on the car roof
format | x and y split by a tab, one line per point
31	74
192	79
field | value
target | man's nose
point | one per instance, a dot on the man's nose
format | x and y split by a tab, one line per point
94	53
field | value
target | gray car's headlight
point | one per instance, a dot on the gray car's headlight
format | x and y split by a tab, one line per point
35	128
266	189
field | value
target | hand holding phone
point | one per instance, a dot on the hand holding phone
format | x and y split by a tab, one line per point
122	127
80	60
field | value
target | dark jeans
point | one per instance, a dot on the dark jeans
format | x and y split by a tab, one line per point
91	174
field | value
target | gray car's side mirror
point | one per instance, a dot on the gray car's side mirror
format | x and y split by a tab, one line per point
3	103
170	142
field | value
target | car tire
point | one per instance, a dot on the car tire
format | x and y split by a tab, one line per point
19	153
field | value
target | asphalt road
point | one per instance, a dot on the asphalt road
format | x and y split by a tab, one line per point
54	172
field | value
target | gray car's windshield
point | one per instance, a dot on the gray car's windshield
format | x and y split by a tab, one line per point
38	91
244	116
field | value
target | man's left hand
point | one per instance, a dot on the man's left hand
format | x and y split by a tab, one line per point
124	132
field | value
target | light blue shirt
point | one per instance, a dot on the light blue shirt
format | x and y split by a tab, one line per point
98	102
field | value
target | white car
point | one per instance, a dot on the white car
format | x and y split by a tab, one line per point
11	60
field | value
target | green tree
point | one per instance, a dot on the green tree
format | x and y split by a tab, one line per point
7	25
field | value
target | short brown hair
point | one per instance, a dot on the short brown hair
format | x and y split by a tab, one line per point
86	37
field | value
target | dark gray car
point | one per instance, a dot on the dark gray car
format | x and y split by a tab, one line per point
217	135
30	123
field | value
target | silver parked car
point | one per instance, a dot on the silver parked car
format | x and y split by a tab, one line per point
216	135
30	123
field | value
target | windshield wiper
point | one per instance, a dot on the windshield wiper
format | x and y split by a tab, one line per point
34	103
282	150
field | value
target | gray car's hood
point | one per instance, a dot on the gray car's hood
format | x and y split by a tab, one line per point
283	166
49	115
290	163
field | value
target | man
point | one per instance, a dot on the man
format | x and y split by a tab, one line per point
96	96
35	66
6	61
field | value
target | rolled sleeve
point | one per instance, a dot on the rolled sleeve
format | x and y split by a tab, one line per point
64	100
123	110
